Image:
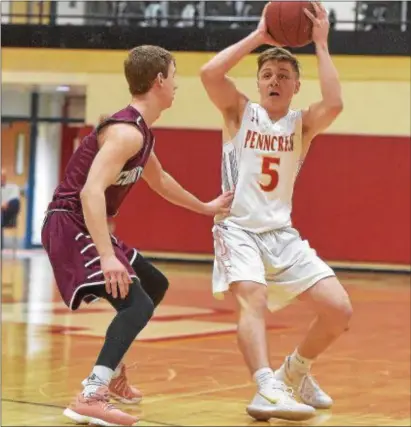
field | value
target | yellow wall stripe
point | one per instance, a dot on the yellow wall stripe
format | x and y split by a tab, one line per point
376	90
351	68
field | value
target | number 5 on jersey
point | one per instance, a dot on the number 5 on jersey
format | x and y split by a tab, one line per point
269	169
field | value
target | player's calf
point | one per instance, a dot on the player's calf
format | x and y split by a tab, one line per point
133	314
251	332
332	304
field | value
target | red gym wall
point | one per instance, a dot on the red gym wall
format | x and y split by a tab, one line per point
351	201
352	198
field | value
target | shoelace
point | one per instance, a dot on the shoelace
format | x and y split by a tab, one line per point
311	379
121	384
132	367
279	385
102	397
122	381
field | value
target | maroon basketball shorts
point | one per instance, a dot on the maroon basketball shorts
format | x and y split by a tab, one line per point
74	258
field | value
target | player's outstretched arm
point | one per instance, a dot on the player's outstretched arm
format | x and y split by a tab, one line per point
168	188
320	115
118	142
220	88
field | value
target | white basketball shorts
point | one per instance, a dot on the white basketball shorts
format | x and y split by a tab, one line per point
279	258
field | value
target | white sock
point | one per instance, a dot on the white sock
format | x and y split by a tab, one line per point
100	376
299	363
264	377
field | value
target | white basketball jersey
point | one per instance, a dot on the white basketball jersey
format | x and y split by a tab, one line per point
261	163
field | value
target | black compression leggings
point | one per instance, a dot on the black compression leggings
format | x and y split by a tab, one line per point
153	281
133	312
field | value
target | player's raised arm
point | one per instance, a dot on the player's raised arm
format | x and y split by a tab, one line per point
119	142
220	88
320	115
168	188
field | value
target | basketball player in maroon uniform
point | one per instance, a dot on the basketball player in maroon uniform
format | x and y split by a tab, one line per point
90	263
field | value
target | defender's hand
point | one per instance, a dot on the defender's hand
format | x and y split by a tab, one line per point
116	276
220	205
321	25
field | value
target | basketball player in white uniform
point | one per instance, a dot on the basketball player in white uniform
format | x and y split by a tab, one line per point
259	257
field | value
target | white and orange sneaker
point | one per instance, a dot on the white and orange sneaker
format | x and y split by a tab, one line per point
304	386
275	400
95	409
121	391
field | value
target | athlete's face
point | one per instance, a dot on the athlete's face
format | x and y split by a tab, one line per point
168	86
277	82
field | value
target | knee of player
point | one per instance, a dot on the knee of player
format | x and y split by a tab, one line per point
142	303
139	313
163	283
340	316
158	289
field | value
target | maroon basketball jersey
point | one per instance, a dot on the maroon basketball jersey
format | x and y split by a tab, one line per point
67	194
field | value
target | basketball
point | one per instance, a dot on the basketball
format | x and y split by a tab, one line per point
288	24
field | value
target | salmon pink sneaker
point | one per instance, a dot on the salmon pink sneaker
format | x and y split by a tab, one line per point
95	409
120	389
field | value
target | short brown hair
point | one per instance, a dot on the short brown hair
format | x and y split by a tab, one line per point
278	54
142	66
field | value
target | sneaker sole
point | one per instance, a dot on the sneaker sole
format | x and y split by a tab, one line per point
316	406
260	414
82	419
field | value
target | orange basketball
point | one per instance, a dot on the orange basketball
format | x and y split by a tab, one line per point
288	24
